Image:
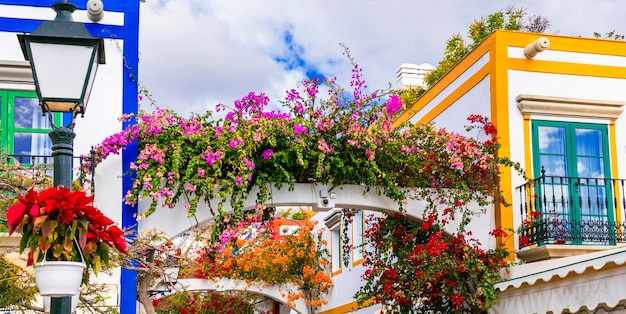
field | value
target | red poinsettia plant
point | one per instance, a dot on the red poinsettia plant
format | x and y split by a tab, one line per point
58	224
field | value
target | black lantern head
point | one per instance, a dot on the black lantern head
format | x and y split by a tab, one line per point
64	58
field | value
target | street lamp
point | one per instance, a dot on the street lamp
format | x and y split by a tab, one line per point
64	58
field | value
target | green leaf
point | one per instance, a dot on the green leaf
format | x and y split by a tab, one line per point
104	252
73	230
57	251
24	242
97	264
36	255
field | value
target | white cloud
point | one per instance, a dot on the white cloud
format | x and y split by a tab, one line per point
195	53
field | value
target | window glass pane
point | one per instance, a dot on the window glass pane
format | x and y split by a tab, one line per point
588	142
32	144
357	234
551	140
27	114
335	253
589	167
554	165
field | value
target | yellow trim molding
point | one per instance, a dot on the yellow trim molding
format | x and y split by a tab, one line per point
446	80
614	166
572	107
348	307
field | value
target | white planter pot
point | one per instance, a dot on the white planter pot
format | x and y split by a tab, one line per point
59	279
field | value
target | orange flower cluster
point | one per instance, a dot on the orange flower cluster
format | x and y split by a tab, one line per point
298	259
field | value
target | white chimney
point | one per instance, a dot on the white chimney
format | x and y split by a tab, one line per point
409	74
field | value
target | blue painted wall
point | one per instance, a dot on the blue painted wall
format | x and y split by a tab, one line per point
130	34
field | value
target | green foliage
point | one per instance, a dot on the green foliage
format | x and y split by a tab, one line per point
414	267
609	35
17	289
456	49
187	302
410	95
510	18
345	139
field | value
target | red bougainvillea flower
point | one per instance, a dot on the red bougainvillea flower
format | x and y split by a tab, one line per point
523	241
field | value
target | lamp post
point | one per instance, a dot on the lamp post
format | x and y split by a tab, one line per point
64	58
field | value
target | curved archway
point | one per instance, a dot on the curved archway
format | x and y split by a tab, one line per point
174	221
274	292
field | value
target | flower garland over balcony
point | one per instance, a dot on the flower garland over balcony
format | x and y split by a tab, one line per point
347	138
344	138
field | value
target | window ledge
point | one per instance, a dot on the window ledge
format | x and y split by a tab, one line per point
573	107
358	262
16	72
553	251
7	241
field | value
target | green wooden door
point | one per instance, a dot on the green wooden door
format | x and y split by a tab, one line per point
574	159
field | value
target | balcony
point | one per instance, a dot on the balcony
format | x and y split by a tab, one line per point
564	216
45	164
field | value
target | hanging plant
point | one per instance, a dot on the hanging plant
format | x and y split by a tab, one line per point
57	224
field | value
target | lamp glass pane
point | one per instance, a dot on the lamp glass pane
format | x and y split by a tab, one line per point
61	69
92	78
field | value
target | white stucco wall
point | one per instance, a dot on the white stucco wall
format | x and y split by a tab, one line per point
454	85
100	122
10	47
475	101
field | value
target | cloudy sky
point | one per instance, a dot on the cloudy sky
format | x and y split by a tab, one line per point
197	53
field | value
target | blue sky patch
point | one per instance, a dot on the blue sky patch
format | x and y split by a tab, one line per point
293	57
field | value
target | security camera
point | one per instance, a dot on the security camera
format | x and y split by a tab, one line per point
95	10
326	200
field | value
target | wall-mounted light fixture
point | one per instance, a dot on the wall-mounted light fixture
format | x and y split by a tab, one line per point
537	46
95	10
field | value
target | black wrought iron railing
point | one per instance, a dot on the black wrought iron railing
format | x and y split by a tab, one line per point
572	210
45	163
576	232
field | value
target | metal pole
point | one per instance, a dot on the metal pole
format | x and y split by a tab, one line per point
62	152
